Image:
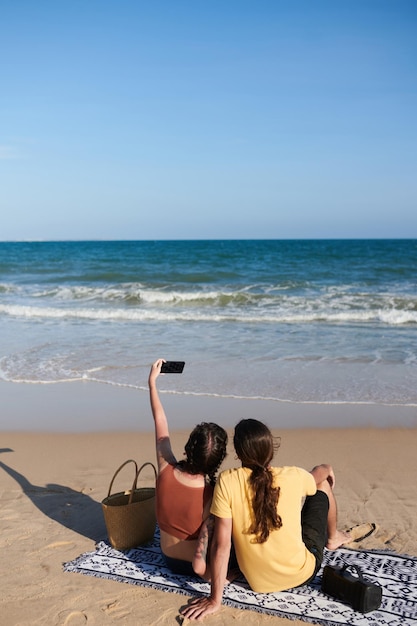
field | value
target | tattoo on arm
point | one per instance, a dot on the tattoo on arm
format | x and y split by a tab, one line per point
204	538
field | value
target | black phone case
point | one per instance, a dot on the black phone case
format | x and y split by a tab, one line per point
172	367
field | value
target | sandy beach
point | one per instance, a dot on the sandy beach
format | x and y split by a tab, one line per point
54	474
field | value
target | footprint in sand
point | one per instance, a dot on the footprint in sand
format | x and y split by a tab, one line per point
75	618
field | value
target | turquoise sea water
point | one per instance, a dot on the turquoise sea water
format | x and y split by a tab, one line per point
302	321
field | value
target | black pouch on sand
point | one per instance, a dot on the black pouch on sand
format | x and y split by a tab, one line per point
359	593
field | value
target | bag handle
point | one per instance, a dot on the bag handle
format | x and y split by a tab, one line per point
141	468
118	470
137	476
356	568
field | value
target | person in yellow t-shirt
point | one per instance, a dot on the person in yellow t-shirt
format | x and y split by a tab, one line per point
279	519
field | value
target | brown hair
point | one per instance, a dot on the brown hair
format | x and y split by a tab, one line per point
255	447
205	450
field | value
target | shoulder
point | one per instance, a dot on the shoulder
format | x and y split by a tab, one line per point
166	471
234	473
228	489
290	470
229	477
229	474
293	473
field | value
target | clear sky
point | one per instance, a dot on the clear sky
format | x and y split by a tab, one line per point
172	119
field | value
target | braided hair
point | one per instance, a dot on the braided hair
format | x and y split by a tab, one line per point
255	447
205	450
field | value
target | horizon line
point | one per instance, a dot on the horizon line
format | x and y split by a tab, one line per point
181	239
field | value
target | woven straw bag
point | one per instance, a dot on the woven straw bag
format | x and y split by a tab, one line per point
130	516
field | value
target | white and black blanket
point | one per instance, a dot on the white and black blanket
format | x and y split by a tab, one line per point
397	574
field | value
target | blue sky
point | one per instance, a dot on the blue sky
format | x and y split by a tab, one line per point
190	119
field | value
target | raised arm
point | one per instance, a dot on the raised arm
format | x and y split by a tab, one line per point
164	452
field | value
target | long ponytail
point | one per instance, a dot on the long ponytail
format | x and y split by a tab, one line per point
254	445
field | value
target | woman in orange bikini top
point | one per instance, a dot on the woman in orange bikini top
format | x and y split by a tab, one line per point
184	488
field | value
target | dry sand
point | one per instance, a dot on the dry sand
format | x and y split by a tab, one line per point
52	483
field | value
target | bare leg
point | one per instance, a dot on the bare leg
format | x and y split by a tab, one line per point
335	537
200	562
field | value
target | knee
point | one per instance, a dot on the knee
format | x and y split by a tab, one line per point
199	566
324	486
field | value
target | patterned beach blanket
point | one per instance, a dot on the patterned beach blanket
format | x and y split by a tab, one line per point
397	574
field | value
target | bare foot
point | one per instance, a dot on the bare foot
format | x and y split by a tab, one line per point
339	539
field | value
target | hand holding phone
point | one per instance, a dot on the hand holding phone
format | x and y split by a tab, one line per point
172	367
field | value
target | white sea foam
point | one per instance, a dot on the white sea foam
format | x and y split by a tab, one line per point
307	322
281	316
129	291
395	317
207	394
7	288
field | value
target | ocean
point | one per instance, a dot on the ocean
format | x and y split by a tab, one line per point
314	321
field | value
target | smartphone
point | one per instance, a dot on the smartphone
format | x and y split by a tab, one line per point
172	367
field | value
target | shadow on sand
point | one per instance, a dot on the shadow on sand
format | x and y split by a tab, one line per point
73	509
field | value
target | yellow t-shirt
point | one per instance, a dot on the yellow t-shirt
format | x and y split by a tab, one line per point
283	561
